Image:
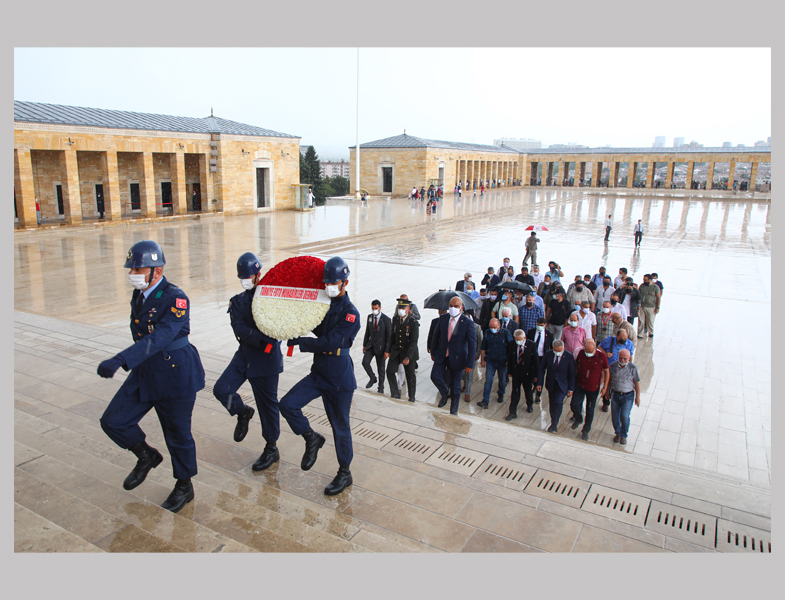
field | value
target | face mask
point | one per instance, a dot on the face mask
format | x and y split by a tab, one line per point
376	312
506	263
333	290
520	342
605	283
402	312
573	324
529	304
654	280
586	282
558	354
614	302
138	281
454	311
619	341
494	330
506	319
493	296
540	327
577	307
606	310
247	283
589	354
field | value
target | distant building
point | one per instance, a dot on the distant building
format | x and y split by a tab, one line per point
727	145
303	150
762	143
518	144
740	146
334	168
678	142
567	145
768	141
659	142
694	144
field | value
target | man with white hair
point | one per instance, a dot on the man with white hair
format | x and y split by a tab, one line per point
459	287
625	388
591	380
557	375
523	365
507	321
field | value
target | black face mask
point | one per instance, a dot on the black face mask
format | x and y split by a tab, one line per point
619	340
614	302
579	288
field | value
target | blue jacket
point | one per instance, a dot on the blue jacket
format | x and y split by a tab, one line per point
495	345
334	370
462	344
258	354
563	376
163	364
609	344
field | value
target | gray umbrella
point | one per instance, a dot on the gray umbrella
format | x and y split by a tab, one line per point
517	285
441	300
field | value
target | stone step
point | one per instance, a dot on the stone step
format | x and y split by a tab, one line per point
220	504
34	533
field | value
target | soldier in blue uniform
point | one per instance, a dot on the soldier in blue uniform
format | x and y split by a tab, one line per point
259	360
166	372
331	377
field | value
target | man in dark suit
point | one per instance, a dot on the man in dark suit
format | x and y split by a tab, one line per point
459	287
486	310
453	347
543	341
402	350
523	367
377	334
557	373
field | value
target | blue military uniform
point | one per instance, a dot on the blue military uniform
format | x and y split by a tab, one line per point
166	372
331	376
259	360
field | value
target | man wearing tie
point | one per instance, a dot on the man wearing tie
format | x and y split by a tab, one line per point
377	334
638	233
523	365
402	350
543	341
608	227
557	373
452	347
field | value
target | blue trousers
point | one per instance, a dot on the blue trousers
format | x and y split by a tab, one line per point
555	400
492	368
440	372
621	407
265	392
120	422
336	405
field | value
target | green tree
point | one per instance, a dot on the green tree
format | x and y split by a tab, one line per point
310	172
340	185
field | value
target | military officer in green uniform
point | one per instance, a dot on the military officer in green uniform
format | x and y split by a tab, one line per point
402	349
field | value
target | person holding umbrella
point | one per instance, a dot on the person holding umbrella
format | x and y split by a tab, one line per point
531	249
453	347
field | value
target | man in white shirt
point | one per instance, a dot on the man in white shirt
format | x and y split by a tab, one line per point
604	292
620	278
618	307
536	275
587	319
608	227
638	233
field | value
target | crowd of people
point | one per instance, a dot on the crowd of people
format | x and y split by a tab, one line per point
575	340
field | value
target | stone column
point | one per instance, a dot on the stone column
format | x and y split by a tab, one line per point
580	172
710	175
596	174
632	166
560	175
112	206
72	199
650	174
731	174
205	188
25	188
147	191
669	174
690	173
613	179
179	192
753	176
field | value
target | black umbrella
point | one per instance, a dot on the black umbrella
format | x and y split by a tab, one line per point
517	285
441	300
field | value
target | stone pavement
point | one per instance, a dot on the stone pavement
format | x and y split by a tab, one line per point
700	446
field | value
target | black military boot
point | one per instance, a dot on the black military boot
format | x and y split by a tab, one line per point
342	480
181	495
149	458
313	441
243	418
268	457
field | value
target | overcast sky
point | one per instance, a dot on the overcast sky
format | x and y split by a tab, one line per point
594	96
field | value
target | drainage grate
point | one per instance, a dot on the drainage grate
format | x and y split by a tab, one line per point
373	435
558	488
458	460
732	537
411	446
617	505
321	423
505	473
680	523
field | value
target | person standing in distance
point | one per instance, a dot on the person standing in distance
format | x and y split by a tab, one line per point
166	372
331	377
258	360
377	334
608	227
638	233
531	249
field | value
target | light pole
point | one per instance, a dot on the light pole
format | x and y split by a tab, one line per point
357	129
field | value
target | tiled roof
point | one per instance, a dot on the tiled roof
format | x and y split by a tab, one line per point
36	112
409	141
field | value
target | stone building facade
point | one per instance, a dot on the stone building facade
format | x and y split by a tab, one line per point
72	159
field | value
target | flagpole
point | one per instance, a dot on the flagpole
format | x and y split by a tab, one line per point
357	129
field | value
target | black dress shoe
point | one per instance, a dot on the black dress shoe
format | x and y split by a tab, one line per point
313	441
268	457
615	438
369	385
511	416
442	402
181	495
241	429
537	399
342	480
585	436
149	458
552	429
453	412
604	408
396	396
577	423
380	390
623	441
500	399
411	399
482	404
529	409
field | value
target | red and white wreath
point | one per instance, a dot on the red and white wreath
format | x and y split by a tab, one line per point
290	300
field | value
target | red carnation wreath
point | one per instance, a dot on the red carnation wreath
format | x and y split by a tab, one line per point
290	300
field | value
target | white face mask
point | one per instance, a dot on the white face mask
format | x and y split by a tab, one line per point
558	354
455	311
332	290
376	312
247	283
540	327
589	354
573	324
138	281
402	312
520	342
606	310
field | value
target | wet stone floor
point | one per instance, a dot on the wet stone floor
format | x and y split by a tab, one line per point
699	442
